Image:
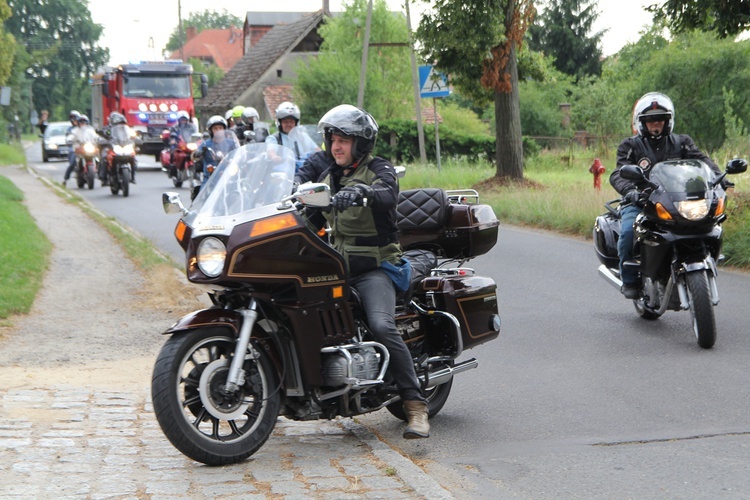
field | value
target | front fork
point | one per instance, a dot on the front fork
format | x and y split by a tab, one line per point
708	264
236	375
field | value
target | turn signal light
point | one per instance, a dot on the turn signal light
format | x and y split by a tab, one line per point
179	231
662	212
273	224
337	292
720	206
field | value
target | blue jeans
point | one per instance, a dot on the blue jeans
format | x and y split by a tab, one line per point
625	243
379	302
71	164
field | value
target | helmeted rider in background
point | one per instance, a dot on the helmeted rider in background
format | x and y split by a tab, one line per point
250	118
221	141
236	120
363	230
289	135
73	117
117	121
653	121
184	130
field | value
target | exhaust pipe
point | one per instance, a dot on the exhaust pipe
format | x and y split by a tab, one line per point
446	373
610	278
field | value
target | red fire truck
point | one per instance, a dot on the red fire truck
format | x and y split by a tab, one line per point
149	94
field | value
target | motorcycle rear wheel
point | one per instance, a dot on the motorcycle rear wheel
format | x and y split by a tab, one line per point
197	417
643	311
436	399
701	308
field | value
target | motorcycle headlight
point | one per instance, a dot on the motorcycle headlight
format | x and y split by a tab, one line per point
129	149
192	146
118	150
211	256
89	148
693	209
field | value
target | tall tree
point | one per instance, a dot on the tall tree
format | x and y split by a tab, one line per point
563	30
205	20
333	77
62	40
492	33
726	17
7	44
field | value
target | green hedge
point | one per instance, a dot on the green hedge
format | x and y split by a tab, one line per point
398	141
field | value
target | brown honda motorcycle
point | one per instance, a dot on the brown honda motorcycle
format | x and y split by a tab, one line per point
286	334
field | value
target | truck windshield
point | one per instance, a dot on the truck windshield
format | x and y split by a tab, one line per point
177	86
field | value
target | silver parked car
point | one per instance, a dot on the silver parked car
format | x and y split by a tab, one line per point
53	141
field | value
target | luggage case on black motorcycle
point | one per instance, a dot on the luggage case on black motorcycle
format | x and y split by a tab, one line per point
606	234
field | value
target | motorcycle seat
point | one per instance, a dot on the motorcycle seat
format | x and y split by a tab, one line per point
424	209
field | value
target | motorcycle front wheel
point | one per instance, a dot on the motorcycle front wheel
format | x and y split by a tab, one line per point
90	176
125	176
701	308
199	418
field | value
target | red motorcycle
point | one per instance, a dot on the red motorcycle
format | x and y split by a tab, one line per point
178	162
87	164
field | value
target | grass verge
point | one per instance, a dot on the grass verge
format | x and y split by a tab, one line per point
24	253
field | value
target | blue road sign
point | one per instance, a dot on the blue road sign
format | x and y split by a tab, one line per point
432	83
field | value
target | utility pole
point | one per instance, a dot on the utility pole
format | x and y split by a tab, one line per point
182	33
415	83
365	50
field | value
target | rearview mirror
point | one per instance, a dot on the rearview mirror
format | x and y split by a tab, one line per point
632	173
736	166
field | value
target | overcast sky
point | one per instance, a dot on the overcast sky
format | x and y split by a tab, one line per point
131	35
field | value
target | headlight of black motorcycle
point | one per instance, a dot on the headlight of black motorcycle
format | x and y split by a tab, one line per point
693	209
211	255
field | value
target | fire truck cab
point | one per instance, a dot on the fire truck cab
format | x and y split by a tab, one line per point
149	94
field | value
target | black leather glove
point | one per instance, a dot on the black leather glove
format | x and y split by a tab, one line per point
357	195
346	198
634	197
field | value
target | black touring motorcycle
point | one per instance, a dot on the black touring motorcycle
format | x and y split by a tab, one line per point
286	334
677	240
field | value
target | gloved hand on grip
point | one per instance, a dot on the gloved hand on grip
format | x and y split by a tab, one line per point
634	197
350	196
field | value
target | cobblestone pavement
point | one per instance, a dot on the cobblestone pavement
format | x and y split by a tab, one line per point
75	410
71	442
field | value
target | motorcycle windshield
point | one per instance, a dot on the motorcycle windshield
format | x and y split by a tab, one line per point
120	134
249	177
691	177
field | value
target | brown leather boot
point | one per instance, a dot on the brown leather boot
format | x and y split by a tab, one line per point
418	426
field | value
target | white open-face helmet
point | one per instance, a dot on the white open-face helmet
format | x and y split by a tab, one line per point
653	106
287	110
250	115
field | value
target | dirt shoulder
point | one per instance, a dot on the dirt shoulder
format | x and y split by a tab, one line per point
94	321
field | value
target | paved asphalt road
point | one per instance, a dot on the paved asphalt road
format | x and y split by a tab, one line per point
578	397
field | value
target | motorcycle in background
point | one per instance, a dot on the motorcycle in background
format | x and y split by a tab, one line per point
677	240
87	162
286	334
120	159
178	163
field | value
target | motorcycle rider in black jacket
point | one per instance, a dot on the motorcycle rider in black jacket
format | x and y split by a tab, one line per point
653	120
363	230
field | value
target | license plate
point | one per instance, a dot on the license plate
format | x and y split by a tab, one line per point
158	119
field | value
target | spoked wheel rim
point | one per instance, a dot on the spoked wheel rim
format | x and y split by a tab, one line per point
211	412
